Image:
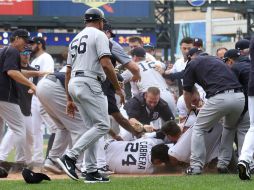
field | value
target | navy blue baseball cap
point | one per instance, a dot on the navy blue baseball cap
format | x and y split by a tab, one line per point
242	44
139	52
148	46
192	51
32	177
198	42
22	34
107	27
232	53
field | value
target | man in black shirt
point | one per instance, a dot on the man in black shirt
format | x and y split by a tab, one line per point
146	107
225	98
246	156
9	97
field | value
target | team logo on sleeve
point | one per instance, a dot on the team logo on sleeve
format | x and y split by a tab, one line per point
155	115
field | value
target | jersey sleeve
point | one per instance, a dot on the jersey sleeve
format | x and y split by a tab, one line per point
181	107
189	77
102	45
69	59
126	76
12	60
119	54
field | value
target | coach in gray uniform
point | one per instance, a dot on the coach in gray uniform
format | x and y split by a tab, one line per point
89	64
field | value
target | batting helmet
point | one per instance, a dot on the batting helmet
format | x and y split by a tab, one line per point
93	14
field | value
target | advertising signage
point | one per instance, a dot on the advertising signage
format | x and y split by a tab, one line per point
64	39
70	13
111	8
16	7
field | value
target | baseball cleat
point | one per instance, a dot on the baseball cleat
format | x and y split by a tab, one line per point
193	170
52	166
244	170
68	165
96	177
105	171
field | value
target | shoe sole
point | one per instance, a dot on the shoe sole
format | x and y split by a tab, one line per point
59	161
53	169
96	181
243	175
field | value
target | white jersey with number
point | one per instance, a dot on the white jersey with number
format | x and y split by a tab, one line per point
131	156
182	149
149	77
44	62
85	51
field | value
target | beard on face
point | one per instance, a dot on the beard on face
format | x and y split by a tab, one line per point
34	51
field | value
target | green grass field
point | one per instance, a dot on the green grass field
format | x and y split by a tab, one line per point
203	182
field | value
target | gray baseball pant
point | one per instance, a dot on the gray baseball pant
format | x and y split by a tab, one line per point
92	104
53	98
11	114
225	153
229	105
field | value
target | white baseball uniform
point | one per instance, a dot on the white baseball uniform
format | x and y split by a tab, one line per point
151	78
131	156
43	62
182	149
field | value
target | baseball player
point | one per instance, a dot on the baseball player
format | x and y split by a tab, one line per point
10	74
149	78
51	93
131	157
7	143
88	65
224	98
246	156
42	62
134	156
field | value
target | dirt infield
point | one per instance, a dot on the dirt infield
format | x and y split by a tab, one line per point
18	176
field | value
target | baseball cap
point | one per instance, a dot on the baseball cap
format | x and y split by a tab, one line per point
139	52
40	40
32	177
242	44
232	53
192	51
148	46
23	34
197	42
107	27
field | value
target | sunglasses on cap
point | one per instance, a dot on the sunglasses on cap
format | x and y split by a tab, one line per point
25	53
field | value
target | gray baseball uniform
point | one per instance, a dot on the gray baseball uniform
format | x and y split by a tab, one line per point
85	51
52	96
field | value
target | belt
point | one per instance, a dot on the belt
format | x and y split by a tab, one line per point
83	74
51	77
236	90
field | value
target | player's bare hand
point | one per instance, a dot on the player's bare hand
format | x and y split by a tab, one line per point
71	108
136	78
32	89
121	95
118	138
148	128
159	69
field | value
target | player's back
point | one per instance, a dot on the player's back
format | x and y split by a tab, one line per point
150	77
85	51
131	156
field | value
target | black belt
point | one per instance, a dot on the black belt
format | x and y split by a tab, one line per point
235	90
82	74
51	77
